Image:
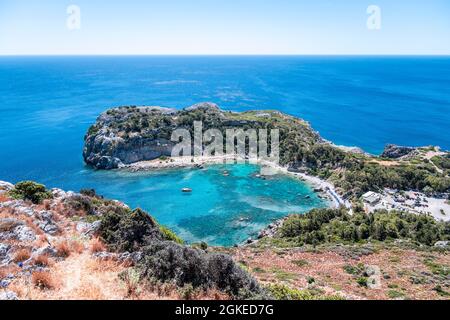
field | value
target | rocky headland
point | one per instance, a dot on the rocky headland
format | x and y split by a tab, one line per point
140	138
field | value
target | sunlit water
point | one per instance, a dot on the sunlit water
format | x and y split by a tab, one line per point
47	104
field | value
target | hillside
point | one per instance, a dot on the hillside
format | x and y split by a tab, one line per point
127	135
65	245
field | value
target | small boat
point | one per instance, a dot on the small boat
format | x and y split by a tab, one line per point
225	173
186	190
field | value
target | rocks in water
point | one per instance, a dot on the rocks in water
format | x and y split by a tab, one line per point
393	151
271	229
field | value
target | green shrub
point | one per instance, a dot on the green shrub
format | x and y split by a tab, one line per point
337	226
126	230
29	190
394	294
283	292
170	235
362	281
167	261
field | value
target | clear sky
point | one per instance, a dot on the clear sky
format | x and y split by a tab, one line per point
224	27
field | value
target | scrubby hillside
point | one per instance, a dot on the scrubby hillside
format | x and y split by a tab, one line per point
64	245
127	135
383	255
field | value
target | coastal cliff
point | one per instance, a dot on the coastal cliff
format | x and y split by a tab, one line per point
127	135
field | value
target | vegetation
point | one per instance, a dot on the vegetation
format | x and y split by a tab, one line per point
170	235
166	259
283	292
170	262
300	147
29	190
125	230
336	225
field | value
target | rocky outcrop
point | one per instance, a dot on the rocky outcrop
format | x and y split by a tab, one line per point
393	151
126	135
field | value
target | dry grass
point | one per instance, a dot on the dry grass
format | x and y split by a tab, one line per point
42	280
89	291
97	245
8	225
30	223
41	241
46	204
22	255
76	246
42	261
62	249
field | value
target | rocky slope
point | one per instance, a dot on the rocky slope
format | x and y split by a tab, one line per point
64	245
127	135
130	134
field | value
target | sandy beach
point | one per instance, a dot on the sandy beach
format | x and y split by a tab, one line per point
267	168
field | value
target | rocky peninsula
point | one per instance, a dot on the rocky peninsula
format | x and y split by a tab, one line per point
139	138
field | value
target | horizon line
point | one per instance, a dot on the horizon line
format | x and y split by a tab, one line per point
225	54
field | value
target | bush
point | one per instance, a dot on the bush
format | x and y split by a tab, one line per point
165	259
29	190
170	235
336	225
42	260
62	249
42	280
81	203
362	281
97	246
283	292
22	255
170	262
126	230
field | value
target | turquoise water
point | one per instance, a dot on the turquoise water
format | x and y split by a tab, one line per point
47	104
221	210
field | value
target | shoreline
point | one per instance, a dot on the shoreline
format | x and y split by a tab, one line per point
320	186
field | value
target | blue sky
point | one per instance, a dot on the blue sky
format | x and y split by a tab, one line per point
225	27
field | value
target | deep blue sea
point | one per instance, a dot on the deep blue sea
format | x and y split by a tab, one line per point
47	104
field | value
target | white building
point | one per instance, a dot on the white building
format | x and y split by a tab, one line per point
371	198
